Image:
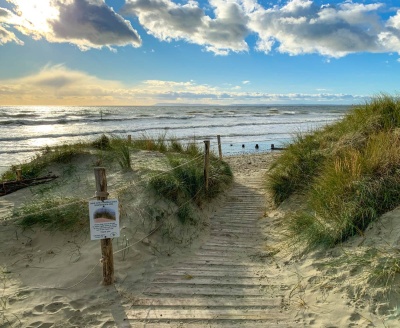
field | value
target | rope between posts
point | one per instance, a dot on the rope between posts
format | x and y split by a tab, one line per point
135	183
120	250
155	229
91	198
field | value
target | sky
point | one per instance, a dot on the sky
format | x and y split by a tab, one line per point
215	52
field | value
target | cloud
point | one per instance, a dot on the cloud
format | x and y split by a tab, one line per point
295	27
59	85
302	27
169	21
8	36
85	23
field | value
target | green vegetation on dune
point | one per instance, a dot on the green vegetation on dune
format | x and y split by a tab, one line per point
348	173
182	183
49	155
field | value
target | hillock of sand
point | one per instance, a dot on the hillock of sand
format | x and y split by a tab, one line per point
53	278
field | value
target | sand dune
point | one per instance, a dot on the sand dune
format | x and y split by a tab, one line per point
53	279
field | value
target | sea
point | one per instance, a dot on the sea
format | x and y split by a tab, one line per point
26	130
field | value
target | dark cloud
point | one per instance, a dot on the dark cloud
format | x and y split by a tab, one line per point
94	23
4	13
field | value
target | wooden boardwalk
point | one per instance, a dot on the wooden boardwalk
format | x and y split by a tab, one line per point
225	283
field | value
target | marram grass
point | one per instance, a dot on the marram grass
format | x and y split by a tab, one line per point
348	173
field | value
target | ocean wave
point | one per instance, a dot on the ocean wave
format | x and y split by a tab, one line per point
29	120
162	128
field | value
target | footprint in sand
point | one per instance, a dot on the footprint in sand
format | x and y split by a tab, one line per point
54	307
38	309
78	304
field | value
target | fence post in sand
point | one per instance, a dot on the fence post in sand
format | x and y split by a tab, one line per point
129	138
106	244
19	174
206	163
219	147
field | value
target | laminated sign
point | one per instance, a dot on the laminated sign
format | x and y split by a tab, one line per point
104	219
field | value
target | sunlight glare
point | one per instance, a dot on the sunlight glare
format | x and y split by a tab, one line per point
36	13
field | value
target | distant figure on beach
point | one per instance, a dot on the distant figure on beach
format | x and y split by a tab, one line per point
243	146
257	146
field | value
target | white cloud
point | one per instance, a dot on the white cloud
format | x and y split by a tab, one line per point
169	21
85	23
295	27
302	27
222	26
8	36
58	85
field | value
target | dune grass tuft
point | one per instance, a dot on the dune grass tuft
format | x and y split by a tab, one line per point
184	183
348	173
58	154
54	214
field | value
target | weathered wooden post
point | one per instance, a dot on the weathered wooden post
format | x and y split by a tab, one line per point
272	146
129	138
206	163
106	244
19	174
219	147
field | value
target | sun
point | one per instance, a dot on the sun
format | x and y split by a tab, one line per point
36	14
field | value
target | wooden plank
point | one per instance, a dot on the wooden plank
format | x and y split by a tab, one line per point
211	302
201	265
230	243
219	324
8	187
221	281
228	263
211	273
177	291
208	314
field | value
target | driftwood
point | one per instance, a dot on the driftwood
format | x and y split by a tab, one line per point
7	187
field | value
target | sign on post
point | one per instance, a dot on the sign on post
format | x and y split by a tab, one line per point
104	219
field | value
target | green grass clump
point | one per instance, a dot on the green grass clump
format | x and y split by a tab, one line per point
298	165
121	151
64	214
59	154
348	173
102	143
184	184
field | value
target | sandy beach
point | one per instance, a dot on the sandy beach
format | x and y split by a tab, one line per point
53	279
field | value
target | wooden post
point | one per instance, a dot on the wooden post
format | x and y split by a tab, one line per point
106	244
129	138
219	147
19	174
206	163
272	146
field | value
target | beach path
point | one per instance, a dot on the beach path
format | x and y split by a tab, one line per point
228	281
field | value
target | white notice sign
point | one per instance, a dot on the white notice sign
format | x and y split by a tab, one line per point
104	219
